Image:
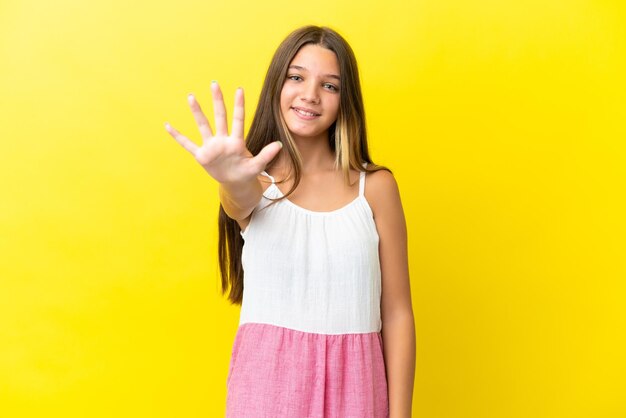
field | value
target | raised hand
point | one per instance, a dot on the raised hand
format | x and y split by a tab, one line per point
225	157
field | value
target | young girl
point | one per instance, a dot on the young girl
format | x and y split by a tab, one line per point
312	243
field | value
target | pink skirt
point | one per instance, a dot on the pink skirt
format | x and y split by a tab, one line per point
279	372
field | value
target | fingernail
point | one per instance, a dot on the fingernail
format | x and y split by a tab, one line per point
213	81
279	143
167	126
190	97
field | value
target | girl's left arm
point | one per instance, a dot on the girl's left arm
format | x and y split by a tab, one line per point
398	325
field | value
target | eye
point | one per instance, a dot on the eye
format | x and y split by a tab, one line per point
331	87
294	77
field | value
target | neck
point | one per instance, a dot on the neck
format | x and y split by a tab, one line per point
315	152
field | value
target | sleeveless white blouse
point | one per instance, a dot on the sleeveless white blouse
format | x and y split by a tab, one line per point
316	272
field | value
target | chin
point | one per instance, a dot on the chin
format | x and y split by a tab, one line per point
304	135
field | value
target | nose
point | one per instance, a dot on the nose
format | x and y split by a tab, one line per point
310	93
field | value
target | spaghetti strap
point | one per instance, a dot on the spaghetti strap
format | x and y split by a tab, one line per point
267	175
362	183
362	180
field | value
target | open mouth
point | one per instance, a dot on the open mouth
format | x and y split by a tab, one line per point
305	113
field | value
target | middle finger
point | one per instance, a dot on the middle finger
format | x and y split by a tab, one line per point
221	127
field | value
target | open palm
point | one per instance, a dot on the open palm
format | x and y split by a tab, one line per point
225	157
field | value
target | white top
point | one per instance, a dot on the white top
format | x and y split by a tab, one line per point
312	271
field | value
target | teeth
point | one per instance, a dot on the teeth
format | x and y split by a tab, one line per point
302	112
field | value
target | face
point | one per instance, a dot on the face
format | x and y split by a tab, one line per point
309	100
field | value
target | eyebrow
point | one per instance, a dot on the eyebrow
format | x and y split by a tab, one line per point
297	67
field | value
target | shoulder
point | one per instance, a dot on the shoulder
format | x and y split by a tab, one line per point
264	180
382	193
380	180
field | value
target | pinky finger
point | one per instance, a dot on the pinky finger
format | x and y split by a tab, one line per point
181	139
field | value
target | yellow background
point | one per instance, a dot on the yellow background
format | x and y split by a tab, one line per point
502	121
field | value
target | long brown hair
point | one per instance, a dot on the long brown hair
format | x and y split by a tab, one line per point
347	135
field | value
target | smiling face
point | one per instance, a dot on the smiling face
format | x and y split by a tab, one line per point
309	99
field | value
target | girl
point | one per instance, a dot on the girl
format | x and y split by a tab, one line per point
312	243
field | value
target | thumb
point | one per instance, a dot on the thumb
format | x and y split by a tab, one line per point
267	154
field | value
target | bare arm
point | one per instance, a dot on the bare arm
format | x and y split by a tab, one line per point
225	157
398	329
239	200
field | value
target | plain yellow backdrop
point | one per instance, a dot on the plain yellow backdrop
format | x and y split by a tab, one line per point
502	121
